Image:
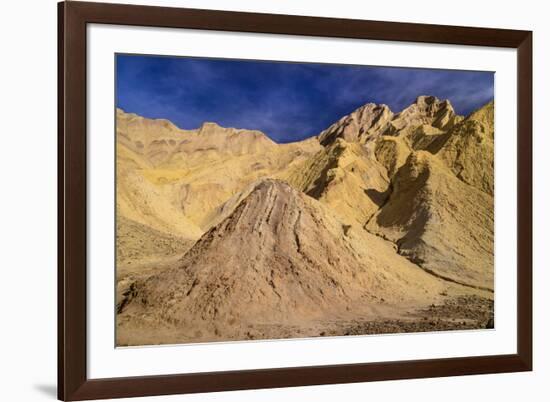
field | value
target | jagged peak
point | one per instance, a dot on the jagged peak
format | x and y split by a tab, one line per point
372	119
363	122
372	106
368	109
431	103
428	99
425	110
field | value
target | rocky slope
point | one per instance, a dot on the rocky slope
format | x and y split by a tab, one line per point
224	234
344	176
469	148
439	222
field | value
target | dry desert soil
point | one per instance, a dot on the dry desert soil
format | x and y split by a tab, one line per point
382	223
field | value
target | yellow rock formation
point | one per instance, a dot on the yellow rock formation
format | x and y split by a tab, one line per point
223	234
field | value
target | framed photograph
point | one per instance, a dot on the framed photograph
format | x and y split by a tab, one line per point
253	201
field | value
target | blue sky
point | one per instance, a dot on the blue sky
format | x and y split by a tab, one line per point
287	101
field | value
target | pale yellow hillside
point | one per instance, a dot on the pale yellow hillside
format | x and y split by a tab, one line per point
439	222
346	177
391	152
153	139
469	149
141	201
425	135
177	179
138	243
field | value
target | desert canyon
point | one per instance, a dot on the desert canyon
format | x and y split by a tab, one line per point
381	223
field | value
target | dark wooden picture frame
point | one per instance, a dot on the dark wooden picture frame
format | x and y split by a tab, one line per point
73	17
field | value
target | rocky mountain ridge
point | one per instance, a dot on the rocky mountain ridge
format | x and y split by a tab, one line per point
378	214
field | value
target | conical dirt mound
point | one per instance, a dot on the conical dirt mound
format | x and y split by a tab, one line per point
279	260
